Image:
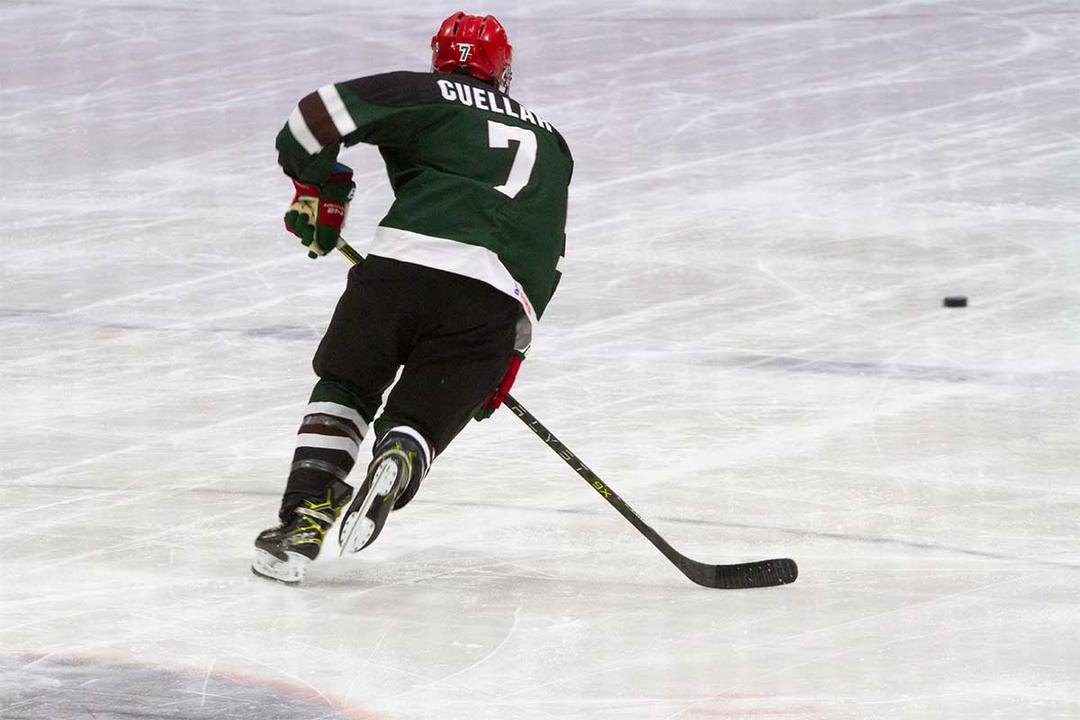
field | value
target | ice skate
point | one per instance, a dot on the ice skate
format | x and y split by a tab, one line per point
391	481
283	553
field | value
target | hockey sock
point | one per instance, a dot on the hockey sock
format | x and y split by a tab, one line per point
326	447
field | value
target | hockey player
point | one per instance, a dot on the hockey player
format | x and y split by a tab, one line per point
460	267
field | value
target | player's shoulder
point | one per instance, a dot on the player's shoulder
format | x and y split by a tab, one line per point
396	88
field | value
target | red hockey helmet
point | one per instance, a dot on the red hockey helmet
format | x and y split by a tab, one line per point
477	44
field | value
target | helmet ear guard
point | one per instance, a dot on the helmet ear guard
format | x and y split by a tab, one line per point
476	44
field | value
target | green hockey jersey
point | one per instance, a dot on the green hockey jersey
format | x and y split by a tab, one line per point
480	181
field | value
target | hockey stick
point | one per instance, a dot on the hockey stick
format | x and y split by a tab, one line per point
761	573
757	574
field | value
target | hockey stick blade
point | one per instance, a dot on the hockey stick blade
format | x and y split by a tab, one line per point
738	576
741	576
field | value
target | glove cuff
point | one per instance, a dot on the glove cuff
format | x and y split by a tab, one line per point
305	189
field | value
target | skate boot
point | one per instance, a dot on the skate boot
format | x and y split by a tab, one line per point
283	553
393	477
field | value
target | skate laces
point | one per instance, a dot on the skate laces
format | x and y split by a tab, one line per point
323	511
307	530
319	515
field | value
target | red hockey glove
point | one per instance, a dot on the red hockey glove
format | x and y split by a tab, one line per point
318	212
495	399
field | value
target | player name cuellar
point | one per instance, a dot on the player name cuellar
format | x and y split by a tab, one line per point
487	100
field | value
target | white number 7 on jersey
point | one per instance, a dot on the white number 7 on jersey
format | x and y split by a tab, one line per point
499	136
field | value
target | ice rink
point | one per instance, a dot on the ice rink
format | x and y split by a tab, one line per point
771	199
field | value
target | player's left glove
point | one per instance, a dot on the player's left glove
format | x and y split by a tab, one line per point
495	399
318	212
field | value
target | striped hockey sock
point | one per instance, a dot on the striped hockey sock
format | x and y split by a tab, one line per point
327	444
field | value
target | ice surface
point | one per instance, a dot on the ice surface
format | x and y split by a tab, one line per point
771	199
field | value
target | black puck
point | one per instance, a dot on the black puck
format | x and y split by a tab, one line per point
955	301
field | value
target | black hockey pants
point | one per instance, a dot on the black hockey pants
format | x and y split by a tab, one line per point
452	335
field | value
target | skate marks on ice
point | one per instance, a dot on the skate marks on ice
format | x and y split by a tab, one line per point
72	687
893	370
773	529
274	332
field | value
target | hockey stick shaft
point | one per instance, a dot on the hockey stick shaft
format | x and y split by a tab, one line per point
590	477
761	573
347	250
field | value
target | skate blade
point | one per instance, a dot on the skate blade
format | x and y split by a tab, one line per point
289	572
357	529
386	477
355	534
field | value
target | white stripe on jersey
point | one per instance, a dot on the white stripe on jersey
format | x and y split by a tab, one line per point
299	128
473	261
335	107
